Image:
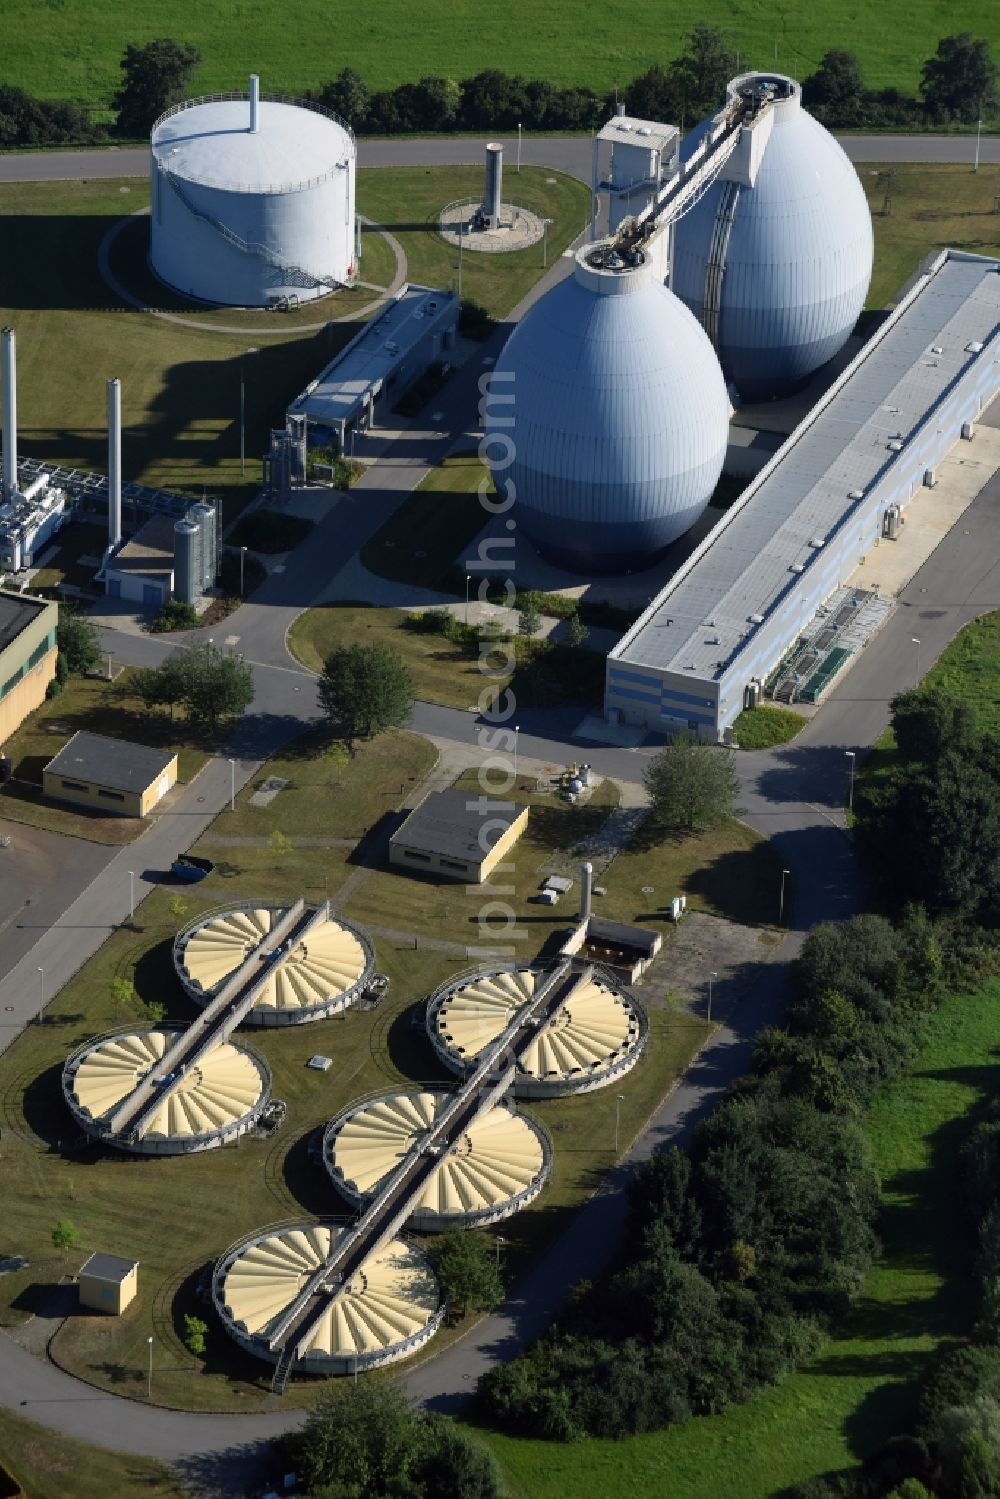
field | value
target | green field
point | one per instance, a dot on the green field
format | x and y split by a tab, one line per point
71	48
861	1389
930	206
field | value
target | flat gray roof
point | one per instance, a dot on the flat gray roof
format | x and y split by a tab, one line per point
449	823
16	614
150	550
108	1267
629	130
116	763
364	364
745	565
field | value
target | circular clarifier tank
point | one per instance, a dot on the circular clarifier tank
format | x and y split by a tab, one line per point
305	980
390	1307
498	1165
596	1034
212	1102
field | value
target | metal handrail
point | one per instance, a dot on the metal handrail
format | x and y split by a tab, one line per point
229	98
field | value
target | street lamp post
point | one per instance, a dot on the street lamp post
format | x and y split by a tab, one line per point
232	785
517	730
468	580
711	977
781	898
243	402
545	243
243	553
41	983
979	136
916	642
619	1100
519	144
500	1241
149	1380
850	785
461	244
131	895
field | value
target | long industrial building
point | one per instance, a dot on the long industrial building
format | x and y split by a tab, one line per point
742	599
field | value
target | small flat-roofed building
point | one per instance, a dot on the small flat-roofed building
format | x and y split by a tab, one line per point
108	1283
142	570
112	776
414	330
450	835
27	656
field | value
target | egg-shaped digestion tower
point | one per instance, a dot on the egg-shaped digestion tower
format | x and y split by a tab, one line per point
253	200
210	1103
309	964
607	415
777	272
389	1306
496	1167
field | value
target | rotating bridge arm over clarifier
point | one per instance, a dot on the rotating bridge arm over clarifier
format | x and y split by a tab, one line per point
402	1190
214	1026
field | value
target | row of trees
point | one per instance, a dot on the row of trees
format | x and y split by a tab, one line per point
957	84
746	1249
929	826
208	685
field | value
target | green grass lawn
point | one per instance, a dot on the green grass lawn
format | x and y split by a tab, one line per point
433	526
72	51
100	708
861	1389
764	726
441	672
50	1466
931	206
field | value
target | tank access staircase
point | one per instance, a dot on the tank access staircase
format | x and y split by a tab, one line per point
295	275
215	1024
382	1219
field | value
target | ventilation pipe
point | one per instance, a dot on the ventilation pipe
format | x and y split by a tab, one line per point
9	413
114	462
254	100
493	188
586	890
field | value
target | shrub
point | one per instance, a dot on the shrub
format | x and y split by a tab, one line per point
175	615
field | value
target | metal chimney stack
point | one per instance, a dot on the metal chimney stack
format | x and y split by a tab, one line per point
9	412
493	187
586	890
114	462
254	100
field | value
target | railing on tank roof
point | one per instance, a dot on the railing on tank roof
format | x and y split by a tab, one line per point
233	98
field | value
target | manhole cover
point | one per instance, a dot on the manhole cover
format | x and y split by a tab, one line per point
648	889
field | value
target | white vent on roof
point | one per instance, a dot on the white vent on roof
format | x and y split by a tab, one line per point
895	446
756	619
818	541
643	130
975	347
856	494
936	349
797	567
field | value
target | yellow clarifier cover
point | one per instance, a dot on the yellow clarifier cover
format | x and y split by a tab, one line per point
329	960
220	1090
498	1157
393	1296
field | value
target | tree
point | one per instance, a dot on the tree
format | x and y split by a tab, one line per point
926	722
960	81
156	76
348	96
837	87
577	633
195	1331
452	1465
65	1235
529	619
178	907
279	844
704	70
656	95
122	993
466	1265
159	686
216	684
691	784
359	1437
364	690
78	641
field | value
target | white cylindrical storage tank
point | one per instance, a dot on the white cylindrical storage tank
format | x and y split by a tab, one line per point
8	344
215	1101
390	1306
186	581
778	272
498	1166
203	514
253	202
607	416
596	1035
493	187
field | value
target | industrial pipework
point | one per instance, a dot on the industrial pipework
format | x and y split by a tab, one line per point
9	343
254	100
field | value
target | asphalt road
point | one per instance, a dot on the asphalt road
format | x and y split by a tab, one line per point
41	873
566	153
